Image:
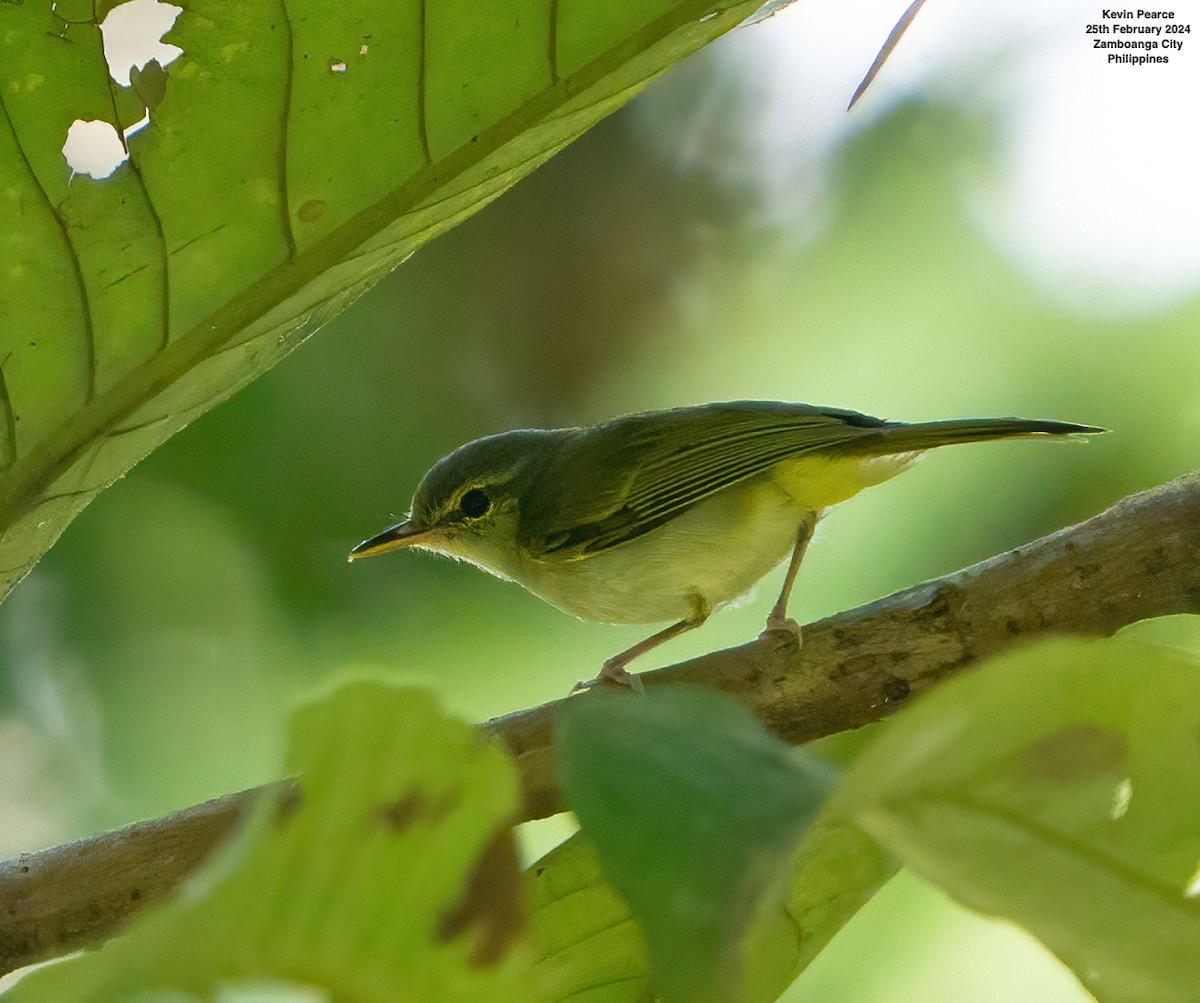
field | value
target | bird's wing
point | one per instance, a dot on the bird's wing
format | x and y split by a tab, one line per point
616	481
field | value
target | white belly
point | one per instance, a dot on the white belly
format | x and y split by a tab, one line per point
715	552
708	556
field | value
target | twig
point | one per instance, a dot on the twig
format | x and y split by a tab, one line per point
889	46
1138	559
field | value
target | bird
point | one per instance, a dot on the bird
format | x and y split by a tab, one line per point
665	515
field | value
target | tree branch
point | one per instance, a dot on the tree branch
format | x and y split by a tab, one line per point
1138	559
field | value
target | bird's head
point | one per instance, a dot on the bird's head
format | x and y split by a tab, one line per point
467	505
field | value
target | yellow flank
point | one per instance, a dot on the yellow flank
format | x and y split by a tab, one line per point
817	482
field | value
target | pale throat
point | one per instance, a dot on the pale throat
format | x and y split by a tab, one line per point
492	552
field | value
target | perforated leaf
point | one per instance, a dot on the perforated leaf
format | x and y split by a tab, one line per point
297	151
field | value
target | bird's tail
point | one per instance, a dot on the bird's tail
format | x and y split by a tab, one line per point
902	438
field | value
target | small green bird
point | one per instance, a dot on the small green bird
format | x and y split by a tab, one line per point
664	515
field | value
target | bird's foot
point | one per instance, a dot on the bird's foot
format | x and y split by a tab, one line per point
612	673
784	628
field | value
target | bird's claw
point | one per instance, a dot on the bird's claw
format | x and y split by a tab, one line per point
612	675
785	629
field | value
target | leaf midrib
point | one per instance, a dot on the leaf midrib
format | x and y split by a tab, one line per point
1091	855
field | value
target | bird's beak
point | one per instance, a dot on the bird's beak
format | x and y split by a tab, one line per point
404	534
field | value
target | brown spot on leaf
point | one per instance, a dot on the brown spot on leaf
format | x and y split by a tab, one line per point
402	812
1077	752
311	211
493	904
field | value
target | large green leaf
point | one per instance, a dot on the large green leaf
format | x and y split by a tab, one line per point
695	811
300	150
1060	787
590	949
392	877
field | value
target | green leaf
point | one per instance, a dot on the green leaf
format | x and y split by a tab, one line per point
392	876
1059	787
695	811
590	949
297	152
150	83
834	873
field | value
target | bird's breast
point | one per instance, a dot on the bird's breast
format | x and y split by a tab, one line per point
715	551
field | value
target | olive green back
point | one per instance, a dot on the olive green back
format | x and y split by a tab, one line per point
611	483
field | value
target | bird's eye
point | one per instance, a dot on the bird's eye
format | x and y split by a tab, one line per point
474	503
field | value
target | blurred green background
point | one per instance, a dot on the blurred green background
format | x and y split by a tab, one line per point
152	659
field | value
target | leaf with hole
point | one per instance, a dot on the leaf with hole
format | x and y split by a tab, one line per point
296	152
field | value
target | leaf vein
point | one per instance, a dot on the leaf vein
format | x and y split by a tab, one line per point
591	935
1171	896
199	236
601	985
8	442
285	207
159	235
553	42
422	72
88	337
136	427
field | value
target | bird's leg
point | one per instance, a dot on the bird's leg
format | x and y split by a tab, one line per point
778	619
613	670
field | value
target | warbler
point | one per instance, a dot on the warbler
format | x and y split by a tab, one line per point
664	515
